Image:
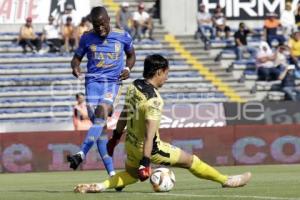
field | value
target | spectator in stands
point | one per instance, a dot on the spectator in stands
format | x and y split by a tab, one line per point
124	18
69	12
288	84
294	44
287	19
28	37
297	17
205	23
282	58
142	22
271	27
265	63
68	31
155	10
241	45
81	119
81	28
219	21
51	35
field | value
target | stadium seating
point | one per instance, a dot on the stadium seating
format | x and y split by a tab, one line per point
40	87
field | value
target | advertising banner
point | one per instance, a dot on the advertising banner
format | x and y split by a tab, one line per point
184	116
283	112
230	145
245	9
16	11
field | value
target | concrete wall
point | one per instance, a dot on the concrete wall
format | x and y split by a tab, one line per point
179	17
95	3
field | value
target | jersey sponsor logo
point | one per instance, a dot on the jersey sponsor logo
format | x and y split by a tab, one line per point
106	59
156	104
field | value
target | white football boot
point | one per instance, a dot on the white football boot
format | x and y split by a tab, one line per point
89	188
237	180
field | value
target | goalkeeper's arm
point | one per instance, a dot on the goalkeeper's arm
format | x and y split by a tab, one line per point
145	168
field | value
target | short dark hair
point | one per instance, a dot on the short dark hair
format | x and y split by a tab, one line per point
79	94
97	11
153	63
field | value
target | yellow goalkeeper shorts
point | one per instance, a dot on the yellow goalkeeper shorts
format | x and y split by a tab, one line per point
163	154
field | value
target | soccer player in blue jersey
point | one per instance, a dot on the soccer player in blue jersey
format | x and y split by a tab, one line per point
106	69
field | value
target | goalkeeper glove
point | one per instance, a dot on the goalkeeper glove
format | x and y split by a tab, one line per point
144	171
113	142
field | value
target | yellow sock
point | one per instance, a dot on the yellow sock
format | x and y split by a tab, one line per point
119	180
203	170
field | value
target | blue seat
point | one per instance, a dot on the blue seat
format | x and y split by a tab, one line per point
244	62
38	120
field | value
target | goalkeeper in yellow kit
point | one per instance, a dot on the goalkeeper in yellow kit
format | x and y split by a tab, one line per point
141	115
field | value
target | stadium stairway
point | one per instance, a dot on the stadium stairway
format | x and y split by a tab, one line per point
203	60
240	75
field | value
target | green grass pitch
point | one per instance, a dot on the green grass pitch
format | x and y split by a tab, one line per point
274	182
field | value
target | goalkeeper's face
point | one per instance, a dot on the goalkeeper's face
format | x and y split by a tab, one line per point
162	76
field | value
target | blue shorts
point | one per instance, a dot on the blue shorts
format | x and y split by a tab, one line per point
101	92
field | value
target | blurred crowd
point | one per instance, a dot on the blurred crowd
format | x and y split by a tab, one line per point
63	34
278	54
60	35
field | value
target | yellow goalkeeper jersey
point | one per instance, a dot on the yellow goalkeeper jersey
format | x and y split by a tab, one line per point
143	102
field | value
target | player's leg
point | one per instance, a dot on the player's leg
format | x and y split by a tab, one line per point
111	96
199	168
121	179
91	137
203	170
94	92
171	155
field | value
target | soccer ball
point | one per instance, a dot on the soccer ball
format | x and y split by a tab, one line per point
162	179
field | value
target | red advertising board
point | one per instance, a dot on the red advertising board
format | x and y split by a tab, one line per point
230	145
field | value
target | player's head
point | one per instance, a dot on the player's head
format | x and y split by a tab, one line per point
156	68
80	97
100	21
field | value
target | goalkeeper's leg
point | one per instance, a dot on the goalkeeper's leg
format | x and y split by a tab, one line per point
202	170
176	157
121	179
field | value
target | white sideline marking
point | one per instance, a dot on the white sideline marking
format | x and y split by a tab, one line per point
225	196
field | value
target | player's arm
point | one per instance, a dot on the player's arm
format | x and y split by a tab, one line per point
145	168
130	60
79	54
75	65
151	128
153	111
130	56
